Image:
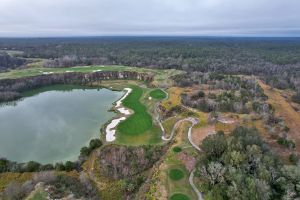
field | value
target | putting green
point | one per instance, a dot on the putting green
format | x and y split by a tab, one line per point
176	174
179	196
177	149
158	94
140	121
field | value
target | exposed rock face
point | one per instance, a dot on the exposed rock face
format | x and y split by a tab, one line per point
122	161
22	84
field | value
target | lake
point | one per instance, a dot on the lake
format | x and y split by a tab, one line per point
52	124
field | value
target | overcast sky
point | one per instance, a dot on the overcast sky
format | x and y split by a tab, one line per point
149	17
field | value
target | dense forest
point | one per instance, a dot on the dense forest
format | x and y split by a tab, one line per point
240	166
9	62
277	59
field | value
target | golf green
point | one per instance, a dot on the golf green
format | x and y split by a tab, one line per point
179	196
158	94
176	174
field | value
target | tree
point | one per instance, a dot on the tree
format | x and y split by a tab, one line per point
214	145
32	166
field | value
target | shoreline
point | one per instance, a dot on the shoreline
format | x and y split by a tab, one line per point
110	128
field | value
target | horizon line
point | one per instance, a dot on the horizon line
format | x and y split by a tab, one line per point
148	36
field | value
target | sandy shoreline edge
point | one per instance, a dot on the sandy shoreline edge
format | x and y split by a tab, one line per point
110	129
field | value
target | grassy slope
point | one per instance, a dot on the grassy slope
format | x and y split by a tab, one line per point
8	177
285	110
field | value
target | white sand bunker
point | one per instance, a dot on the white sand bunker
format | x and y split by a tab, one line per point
119	102
68	71
124	111
98	70
45	73
111	127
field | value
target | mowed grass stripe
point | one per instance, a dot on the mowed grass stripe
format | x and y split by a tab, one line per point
140	121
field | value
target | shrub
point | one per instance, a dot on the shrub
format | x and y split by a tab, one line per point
285	142
32	166
296	98
201	94
95	143
293	158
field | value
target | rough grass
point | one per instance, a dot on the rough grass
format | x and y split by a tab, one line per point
284	109
176	174
7	177
174	98
152	136
39	194
140	121
158	94
179	196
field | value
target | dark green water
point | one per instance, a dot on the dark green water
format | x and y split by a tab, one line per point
52	124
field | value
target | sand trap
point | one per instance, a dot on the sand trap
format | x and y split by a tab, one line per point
45	73
119	102
98	70
81	66
150	98
110	128
124	111
69	71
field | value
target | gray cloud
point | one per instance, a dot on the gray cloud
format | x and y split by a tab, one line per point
149	17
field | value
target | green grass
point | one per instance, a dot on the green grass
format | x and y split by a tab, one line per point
176	174
158	94
179	196
39	196
18	73
177	149
140	121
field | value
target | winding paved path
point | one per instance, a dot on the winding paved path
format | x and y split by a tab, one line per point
194	121
191	180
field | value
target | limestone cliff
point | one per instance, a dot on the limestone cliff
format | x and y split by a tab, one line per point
10	89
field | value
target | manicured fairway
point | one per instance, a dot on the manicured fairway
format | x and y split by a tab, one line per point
158	94
179	196
176	174
140	121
